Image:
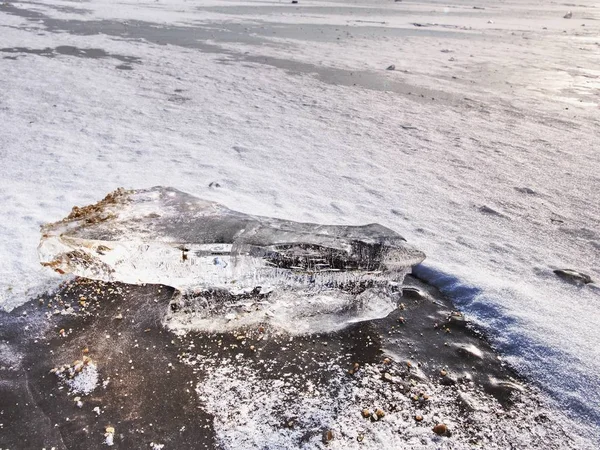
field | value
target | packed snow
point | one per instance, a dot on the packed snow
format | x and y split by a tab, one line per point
481	147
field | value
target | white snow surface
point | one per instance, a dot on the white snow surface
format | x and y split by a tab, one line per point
516	132
291	411
84	382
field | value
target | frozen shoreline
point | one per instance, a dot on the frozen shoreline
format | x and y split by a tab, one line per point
101	361
271	133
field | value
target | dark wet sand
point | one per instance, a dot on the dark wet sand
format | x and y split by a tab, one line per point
142	404
150	395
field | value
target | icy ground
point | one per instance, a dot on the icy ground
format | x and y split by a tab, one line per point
377	384
481	147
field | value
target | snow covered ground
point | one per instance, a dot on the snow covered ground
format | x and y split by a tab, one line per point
481	147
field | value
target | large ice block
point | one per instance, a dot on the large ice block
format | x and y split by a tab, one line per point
162	235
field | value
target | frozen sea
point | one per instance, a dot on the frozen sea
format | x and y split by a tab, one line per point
481	147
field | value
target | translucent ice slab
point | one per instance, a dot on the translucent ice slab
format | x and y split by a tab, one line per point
162	235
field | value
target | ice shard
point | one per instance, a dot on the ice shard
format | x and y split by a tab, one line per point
165	236
219	258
